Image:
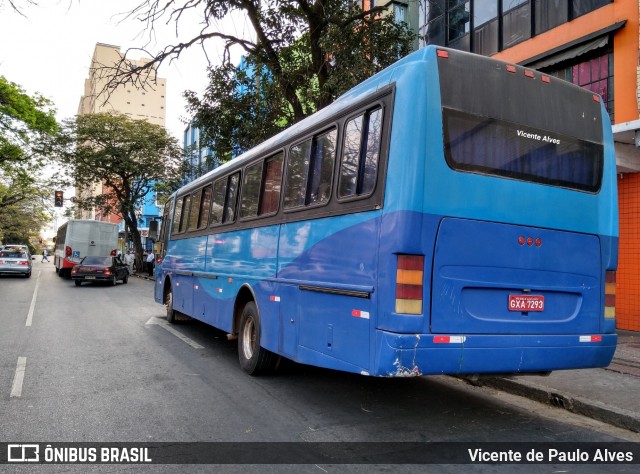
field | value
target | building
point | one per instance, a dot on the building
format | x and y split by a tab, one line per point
592	43
199	158
138	104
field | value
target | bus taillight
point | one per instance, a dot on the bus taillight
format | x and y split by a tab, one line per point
610	295
68	251
409	281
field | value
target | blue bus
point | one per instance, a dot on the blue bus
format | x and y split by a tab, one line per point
453	214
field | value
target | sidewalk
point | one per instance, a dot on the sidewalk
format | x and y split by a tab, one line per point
611	395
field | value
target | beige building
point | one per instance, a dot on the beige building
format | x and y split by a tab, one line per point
139	104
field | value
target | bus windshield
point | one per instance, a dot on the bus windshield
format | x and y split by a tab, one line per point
499	148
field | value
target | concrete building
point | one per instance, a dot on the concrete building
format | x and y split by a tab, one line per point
138	104
592	43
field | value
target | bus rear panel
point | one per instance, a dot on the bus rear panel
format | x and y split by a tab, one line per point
517	226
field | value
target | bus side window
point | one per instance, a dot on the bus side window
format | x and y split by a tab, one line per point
272	184
217	205
196	199
360	154
297	171
231	199
205	207
186	201
165	220
251	191
309	171
177	216
322	158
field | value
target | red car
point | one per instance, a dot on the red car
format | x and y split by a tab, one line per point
105	269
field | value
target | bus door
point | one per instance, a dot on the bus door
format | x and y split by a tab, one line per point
508	279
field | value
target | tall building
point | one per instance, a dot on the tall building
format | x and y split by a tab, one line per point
199	158
592	43
138	104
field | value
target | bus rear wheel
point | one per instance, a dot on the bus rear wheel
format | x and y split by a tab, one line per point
254	359
171	313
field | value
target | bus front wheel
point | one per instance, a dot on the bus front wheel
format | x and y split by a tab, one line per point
254	359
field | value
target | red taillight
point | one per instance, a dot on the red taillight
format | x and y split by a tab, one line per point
511	68
442	54
107	271
529	74
409	281
610	295
74	270
68	251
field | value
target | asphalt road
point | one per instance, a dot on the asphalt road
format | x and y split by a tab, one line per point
100	364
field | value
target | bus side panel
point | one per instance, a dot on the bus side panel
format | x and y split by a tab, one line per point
332	268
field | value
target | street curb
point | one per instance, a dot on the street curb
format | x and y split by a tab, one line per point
582	406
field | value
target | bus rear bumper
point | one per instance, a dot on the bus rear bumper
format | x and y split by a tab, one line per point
406	355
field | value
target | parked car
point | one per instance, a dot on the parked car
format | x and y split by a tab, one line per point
16	260
106	269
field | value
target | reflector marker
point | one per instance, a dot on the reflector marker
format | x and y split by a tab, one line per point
356	313
529	74
449	339
590	338
274	298
442	54
546	79
596	98
511	69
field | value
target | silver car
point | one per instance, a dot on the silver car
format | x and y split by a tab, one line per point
15	259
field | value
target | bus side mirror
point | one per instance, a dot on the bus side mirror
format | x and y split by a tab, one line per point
153	230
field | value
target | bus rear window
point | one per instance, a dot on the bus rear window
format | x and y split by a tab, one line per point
494	147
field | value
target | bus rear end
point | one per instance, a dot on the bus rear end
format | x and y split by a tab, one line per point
514	270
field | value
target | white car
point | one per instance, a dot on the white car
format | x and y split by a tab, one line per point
16	260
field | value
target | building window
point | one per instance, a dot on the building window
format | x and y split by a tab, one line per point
516	22
458	24
496	24
550	13
485	31
594	72
400	12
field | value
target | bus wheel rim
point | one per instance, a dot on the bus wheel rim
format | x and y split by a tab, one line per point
248	339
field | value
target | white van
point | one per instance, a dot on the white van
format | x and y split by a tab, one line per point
78	238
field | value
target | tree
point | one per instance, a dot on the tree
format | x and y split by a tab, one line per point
23	119
125	156
25	123
303	55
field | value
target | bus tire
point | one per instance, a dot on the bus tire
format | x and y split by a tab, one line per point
254	359
171	313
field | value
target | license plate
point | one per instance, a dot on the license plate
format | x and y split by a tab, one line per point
89	278
526	303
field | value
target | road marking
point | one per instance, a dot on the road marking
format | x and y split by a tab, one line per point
33	302
18	378
175	332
